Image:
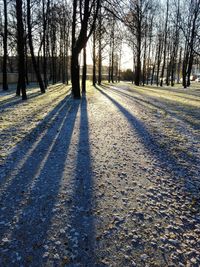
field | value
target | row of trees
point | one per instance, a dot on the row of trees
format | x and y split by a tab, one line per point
36	31
164	38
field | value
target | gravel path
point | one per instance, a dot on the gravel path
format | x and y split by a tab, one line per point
95	187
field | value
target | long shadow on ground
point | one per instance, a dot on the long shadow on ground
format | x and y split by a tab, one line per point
37	133
5	133
28	199
16	100
190	112
81	213
167	161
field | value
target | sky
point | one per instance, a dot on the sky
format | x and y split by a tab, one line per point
126	58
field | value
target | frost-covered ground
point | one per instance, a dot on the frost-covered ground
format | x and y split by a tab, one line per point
109	180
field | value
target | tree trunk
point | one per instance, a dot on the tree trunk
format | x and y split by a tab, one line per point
100	49
112	49
21	86
79	41
138	65
75	74
84	73
165	45
154	66
149	51
45	21
190	63
35	65
138	60
75	69
67	60
26	62
175	47
144	61
109	68
160	47
169	63
179	66
5	47
185	65
94	80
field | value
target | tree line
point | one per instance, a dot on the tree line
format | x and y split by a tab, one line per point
163	36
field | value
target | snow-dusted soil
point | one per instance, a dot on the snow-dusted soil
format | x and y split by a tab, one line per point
105	181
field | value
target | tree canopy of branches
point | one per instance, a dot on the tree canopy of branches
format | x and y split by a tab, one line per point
84	16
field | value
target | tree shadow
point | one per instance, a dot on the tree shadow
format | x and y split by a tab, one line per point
83	202
16	100
29	199
163	156
5	133
26	147
172	108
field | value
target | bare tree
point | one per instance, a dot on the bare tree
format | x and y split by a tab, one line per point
30	39
88	12
137	23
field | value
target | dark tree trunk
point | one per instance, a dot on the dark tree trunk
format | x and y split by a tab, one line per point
119	65
190	63
100	49
160	47
75	69
67	62
175	47
45	21
112	50
154	66
144	62
94	79
185	65
79	41
53	54
84	73
112	67
149	51
138	65
179	66
75	74
21	86
5	47
138	56
26	62
109	69
168	65
34	61
191	44
165	45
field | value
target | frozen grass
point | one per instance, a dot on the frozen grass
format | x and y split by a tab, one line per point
182	103
18	118
177	110
172	113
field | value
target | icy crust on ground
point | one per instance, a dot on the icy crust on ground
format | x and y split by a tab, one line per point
98	188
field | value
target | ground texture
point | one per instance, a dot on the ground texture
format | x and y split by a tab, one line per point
109	180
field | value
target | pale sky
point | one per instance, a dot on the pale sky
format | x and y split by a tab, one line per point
126	59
